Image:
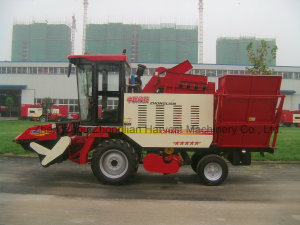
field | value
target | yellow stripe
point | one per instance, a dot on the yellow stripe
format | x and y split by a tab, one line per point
157	131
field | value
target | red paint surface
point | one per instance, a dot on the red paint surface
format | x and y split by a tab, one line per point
155	164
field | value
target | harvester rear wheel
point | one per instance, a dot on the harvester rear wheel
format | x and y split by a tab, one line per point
212	170
114	161
196	158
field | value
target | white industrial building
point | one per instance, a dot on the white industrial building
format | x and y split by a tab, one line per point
30	82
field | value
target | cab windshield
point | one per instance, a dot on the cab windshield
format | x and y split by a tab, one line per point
84	82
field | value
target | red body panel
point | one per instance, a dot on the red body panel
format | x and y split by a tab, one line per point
177	81
248	110
3	108
39	133
25	107
82	145
287	116
290	117
63	111
75	116
155	164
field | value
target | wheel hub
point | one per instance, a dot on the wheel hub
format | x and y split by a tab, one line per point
113	163
213	171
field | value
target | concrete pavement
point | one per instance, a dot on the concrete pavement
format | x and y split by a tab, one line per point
67	193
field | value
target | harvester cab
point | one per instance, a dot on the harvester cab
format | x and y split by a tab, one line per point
101	81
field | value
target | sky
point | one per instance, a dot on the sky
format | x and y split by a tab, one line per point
279	19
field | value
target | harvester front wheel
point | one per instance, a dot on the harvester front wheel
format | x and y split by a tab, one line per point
212	170
114	161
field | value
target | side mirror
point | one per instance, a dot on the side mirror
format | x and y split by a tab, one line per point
69	69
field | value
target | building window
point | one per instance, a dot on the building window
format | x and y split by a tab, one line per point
71	108
21	70
202	72
195	71
211	73
53	70
73	70
3	70
32	70
221	72
277	73
13	70
297	75
43	70
287	75
61	70
151	71
233	71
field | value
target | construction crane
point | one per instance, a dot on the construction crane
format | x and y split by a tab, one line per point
73	33
200	33
85	6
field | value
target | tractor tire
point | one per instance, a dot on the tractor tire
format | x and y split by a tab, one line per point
196	158
43	119
212	170
114	161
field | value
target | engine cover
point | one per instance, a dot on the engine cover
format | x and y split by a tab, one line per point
169	120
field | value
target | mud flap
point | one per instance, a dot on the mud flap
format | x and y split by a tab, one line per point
48	156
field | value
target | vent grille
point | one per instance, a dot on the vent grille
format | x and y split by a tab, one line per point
160	116
142	116
177	116
195	115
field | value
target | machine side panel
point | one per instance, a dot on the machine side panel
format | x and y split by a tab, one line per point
169	120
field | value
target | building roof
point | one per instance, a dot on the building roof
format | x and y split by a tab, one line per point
13	86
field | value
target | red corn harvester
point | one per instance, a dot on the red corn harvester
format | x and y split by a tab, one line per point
175	116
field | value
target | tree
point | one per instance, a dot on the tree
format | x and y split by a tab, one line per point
259	59
9	102
47	103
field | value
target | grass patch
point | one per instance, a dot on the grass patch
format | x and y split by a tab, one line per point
287	146
288	141
11	129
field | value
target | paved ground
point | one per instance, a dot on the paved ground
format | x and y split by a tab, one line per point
67	193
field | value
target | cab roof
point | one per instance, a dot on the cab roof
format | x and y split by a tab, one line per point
99	58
